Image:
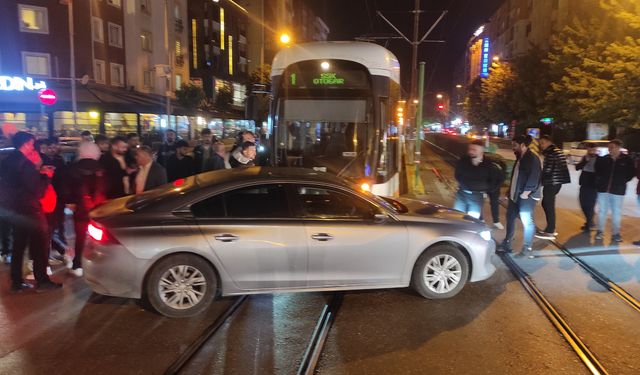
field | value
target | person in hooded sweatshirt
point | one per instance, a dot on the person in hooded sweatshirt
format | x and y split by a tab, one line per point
85	191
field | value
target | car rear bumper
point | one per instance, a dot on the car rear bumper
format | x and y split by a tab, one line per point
112	270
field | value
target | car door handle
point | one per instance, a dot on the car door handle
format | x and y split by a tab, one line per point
322	237
226	237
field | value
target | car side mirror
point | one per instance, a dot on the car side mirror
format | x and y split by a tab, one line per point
380	218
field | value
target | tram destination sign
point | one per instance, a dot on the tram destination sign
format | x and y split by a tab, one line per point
308	76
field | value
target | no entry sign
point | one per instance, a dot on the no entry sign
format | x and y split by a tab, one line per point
47	97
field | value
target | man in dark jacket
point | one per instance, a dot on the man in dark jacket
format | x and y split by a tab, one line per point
115	169
613	171
85	191
203	152
524	192
25	180
168	147
555	173
150	174
217	161
56	218
474	175
180	164
133	142
588	188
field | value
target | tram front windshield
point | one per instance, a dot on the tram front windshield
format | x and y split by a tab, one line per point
325	134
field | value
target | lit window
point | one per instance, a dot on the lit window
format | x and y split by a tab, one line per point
37	64
194	43
98	30
178	48
147	77
117	74
239	94
115	3
146	41
33	19
99	71
178	81
230	55
221	28
115	35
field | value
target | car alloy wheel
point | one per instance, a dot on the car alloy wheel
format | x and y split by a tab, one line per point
182	287
442	273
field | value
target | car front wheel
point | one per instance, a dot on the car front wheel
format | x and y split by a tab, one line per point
181	285
440	272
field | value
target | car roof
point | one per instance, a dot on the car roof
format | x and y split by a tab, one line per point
251	174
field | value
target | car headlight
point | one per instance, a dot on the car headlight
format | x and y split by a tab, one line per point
486	235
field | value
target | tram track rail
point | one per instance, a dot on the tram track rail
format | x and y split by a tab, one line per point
587	357
319	336
193	349
309	359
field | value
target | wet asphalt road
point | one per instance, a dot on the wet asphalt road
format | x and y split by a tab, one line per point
491	327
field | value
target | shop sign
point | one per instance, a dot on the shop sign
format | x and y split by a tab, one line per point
8	83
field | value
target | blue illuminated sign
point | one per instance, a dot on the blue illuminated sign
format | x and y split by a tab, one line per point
484	71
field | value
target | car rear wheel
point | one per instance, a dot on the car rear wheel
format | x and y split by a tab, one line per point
181	285
440	272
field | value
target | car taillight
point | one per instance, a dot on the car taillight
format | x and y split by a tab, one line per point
99	234
95	232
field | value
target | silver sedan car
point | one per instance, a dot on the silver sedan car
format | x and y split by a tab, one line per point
264	230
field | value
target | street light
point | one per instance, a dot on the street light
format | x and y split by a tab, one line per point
458	86
285	38
439	96
496	58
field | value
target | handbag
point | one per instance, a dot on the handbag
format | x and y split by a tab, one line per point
49	200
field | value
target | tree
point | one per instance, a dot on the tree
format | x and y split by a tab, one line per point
190	96
497	92
596	67
224	98
475	108
261	74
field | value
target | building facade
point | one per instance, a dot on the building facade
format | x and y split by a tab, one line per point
218	48
157	45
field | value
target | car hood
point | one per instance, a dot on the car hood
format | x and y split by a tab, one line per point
422	211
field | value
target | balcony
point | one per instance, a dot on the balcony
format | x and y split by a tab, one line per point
179	26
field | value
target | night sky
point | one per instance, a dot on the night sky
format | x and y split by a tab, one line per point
348	19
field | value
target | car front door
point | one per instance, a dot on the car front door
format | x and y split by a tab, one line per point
254	235
347	247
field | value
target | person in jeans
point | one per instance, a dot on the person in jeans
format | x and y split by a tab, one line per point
613	171
588	188
499	176
474	175
555	173
85	190
25	180
524	192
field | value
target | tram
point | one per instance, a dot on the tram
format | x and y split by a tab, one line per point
333	110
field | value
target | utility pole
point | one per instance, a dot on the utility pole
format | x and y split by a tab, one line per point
415	42
418	146
72	63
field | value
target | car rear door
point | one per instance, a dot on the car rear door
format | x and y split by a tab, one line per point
254	235
347	247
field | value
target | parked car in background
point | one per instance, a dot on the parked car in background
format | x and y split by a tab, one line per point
263	230
576	152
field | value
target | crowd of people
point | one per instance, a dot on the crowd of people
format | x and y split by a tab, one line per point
37	184
538	174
